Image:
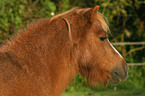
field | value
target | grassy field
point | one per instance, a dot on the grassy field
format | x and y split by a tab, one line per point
105	92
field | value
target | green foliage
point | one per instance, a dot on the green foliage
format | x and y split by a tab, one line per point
126	18
65	5
10	17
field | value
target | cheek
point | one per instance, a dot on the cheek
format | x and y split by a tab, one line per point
102	54
99	48
98	52
111	57
111	52
91	52
87	54
114	50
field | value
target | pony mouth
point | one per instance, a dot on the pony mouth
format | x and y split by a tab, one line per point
118	75
115	78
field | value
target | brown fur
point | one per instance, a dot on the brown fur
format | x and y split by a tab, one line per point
42	60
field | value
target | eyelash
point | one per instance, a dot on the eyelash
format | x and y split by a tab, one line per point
103	38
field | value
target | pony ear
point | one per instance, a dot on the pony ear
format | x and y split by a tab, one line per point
94	13
91	13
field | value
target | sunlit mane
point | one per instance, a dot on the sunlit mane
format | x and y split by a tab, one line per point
103	21
63	14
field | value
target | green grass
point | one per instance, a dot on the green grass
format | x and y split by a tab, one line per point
105	92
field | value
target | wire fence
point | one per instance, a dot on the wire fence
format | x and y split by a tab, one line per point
131	43
136	64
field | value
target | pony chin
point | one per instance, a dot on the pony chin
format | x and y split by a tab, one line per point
96	76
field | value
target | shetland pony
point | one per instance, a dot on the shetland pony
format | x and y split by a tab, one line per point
43	59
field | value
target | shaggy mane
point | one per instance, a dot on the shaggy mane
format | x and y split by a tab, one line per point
103	21
100	17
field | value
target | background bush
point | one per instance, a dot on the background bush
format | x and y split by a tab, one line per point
126	18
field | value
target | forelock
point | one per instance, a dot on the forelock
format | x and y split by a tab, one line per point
103	21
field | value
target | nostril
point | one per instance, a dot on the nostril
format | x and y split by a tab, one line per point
117	74
125	67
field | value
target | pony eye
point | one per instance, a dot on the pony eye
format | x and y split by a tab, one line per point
103	38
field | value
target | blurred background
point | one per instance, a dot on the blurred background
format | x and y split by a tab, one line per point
126	20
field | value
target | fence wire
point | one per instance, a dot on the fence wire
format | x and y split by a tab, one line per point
136	64
131	43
